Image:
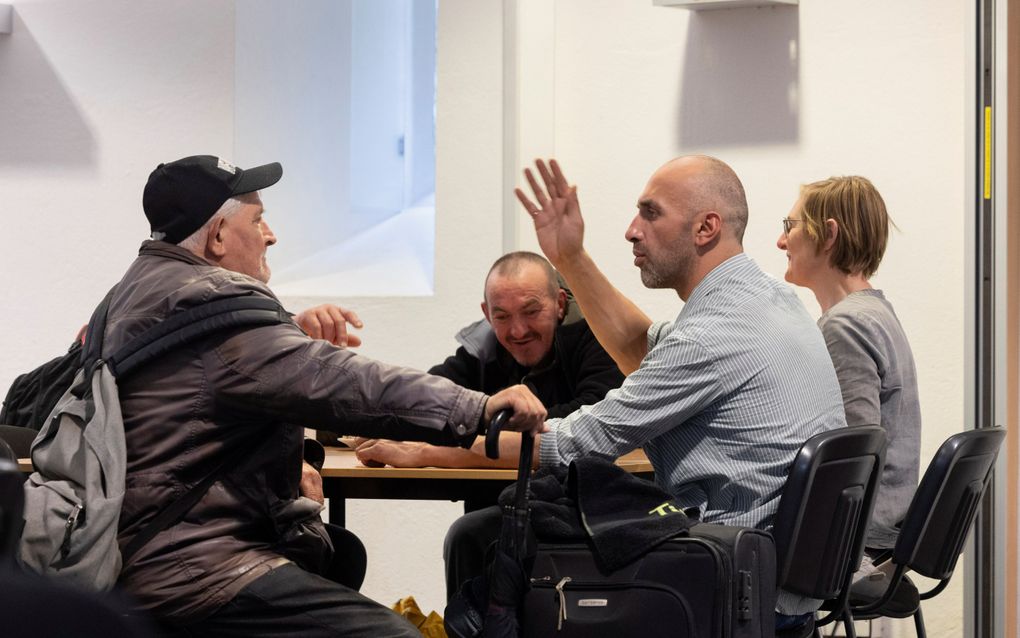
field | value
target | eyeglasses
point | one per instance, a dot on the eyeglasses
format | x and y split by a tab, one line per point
788	224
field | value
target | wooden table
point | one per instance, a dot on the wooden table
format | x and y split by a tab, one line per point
344	477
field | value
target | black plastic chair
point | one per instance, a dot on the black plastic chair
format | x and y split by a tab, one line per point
823	516
12	501
937	522
18	438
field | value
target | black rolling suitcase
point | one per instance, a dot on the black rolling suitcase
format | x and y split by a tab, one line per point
717	581
713	581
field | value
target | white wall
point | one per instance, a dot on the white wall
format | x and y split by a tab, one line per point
94	93
293	106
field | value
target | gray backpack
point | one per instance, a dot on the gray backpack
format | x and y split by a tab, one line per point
73	498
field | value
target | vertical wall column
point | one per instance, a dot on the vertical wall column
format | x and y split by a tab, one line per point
529	104
1011	141
986	568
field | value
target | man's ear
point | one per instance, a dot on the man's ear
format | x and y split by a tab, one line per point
561	303
708	228
485	311
214	245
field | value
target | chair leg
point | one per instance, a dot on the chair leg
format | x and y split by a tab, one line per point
848	623
871	630
919	623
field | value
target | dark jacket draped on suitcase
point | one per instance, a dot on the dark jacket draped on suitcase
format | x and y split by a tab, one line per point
623	516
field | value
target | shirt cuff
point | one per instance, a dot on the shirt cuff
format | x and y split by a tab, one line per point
548	452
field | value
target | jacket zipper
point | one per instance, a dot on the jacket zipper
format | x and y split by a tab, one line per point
72	522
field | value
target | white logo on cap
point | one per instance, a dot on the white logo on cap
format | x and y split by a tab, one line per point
225	165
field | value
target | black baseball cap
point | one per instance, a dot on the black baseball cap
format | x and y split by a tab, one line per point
183	195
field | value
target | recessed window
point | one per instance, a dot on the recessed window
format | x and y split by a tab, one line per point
342	93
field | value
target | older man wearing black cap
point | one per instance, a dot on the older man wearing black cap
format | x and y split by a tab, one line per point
213	208
231	565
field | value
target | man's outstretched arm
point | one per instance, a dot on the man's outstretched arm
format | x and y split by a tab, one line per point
620	326
409	454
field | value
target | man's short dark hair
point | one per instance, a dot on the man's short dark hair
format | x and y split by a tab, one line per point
511	264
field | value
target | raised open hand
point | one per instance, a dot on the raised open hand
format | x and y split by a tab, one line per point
557	214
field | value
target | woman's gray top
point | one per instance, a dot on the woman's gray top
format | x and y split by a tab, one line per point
878	381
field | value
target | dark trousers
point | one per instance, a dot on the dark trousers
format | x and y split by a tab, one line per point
466	545
288	601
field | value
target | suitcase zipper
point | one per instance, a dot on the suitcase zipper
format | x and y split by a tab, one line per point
563	602
546	581
576	585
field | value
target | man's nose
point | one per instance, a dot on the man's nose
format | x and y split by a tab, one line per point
518	328
632	234
781	242
267	233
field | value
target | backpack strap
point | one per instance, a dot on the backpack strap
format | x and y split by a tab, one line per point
92	351
173	332
176	510
193	324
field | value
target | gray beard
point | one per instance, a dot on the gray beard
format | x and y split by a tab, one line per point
671	275
652	279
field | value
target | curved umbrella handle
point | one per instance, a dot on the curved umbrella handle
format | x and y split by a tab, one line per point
499	421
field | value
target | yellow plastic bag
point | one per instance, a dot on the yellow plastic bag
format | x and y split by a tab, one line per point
430	626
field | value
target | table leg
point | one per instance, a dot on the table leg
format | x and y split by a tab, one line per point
338	510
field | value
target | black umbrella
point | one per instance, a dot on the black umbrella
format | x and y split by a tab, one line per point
487	606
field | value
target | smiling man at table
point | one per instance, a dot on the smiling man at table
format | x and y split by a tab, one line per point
533	334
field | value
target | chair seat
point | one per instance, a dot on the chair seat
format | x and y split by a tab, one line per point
804	631
903	604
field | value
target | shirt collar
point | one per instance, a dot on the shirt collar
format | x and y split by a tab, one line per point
714	279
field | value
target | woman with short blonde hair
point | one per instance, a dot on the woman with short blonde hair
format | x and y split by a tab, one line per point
834	238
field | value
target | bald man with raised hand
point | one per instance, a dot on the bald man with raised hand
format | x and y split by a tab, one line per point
722	397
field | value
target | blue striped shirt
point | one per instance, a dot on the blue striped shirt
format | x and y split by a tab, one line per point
725	397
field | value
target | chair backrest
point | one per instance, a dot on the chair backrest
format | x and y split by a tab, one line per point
12	500
825	508
7	453
946	502
19	439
